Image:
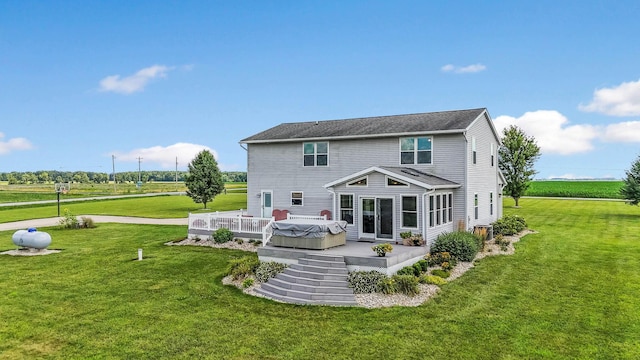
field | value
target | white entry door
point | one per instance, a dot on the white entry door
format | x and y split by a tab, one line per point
267	203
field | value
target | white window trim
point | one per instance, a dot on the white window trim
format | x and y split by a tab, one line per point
366	178
415	150
493	158
301	198
474	154
402	211
315	154
438	213
491	203
386	183
476	206
353	209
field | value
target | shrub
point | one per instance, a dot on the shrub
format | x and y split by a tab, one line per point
407	270
509	225
222	235
87	223
432	280
448	265
257	243
439	258
405	235
239	241
365	282
382	249
502	242
413	240
440	273
424	265
462	245
68	220
406	284
242	267
269	269
247	283
387	286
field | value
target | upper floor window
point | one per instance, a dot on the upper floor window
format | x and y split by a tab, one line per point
316	154
473	149
394	182
415	150
493	154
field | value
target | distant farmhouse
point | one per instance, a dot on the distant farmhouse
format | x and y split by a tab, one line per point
423	173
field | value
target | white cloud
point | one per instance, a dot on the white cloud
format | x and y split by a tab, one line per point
463	69
552	131
135	82
165	156
628	131
13	144
621	100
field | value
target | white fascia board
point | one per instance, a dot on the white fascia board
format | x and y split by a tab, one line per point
348	137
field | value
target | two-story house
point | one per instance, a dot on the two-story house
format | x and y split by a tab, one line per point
426	173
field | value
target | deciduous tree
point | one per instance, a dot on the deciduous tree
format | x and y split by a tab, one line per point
631	188
517	155
204	180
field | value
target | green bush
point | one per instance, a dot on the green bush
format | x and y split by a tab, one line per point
68	220
502	242
462	245
387	286
238	241
269	269
417	269
242	267
424	265
222	235
406	284
86	223
432	280
247	283
443	259
407	270
509	225
440	273
365	282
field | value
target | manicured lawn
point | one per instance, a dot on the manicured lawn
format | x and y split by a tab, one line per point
570	292
156	207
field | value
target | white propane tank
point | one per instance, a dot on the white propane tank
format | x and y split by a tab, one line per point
31	238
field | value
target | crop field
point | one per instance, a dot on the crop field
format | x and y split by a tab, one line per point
37	192
576	189
571	291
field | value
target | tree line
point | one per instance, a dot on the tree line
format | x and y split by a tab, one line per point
88	177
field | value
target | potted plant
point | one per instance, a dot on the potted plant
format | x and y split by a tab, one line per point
382	249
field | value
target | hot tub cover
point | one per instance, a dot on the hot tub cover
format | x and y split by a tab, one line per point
308	228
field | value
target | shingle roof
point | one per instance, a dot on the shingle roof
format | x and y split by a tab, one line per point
430	179
444	121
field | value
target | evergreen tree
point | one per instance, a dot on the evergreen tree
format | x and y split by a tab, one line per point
204	180
631	188
517	155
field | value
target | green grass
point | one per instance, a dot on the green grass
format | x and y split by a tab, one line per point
36	192
576	189
155	207
570	292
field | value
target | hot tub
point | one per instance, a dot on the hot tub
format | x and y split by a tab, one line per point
309	234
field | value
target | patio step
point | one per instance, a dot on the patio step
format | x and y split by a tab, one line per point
316	279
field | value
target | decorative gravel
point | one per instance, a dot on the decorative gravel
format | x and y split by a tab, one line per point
245	246
376	300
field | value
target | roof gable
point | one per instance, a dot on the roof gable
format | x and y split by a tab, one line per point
409	175
423	123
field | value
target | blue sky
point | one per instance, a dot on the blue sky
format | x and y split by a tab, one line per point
81	81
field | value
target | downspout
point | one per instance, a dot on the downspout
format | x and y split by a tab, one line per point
333	203
425	215
466	180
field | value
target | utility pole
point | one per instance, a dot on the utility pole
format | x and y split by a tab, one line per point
113	163
139	161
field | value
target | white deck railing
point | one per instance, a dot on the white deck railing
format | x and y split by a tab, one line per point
307	217
235	223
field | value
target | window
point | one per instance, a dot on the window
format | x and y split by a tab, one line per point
394	182
473	149
296	198
346	208
493	157
475	205
415	150
431	210
359	182
440	209
409	212
491	203
316	154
